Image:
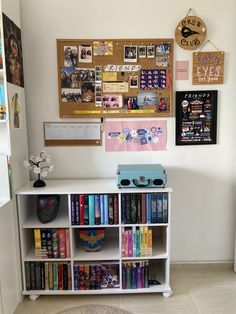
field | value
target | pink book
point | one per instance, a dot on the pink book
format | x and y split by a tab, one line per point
130	243
126	243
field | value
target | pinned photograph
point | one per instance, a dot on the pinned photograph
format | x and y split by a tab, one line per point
71	95
130	53
142	52
162	49
133	81
163	105
112	101
102	48
162	61
85	74
131	103
70	56
85	54
147	99
88	92
150	51
69	78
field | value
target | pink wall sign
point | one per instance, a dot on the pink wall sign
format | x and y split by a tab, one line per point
182	70
135	135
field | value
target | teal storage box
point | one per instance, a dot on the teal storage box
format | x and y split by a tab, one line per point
141	175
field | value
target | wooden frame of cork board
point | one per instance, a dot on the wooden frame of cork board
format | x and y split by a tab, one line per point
115	77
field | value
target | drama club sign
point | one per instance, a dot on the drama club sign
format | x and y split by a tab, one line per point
208	67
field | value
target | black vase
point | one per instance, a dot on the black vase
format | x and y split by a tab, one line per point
47	207
39	183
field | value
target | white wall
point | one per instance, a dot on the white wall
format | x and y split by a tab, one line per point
203	217
10	274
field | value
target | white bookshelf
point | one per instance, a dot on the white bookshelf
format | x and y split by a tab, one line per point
111	252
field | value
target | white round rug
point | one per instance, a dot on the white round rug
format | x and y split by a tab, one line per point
94	309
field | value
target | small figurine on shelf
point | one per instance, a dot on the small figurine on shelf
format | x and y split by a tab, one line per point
40	166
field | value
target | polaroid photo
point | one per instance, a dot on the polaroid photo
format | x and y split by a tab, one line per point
131	103
88	92
133	81
85	74
150	51
147	99
85	54
70	56
142	52
102	48
71	95
162	61
112	101
162	49
130	53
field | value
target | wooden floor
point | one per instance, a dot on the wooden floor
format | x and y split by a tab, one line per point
198	289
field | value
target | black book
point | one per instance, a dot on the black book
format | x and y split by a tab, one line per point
123	208
133	210
110	209
42	270
65	276
128	208
32	275
38	285
86	210
27	276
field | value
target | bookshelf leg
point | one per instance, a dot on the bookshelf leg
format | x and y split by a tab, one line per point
167	294
33	297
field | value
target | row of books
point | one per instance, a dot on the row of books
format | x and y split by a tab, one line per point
97	209
135	275
141	208
136	241
48	275
52	243
95	277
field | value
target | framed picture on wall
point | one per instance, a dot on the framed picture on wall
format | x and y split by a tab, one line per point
196	117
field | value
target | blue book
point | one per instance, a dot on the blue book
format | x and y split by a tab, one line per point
148	208
159	207
102	208
165	208
91	206
97	209
106	209
138	243
153	208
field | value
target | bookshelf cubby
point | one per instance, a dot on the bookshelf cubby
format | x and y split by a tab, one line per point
152	268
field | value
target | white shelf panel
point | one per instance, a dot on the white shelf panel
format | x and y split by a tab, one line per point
152	289
30	257
61	221
93	226
109	251
149	225
85	186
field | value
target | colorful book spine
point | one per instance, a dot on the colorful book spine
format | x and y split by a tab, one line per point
76	277
55	276
50	275
110	209
86	210
81	277
145	241
97	209
77	210
72	206
55	244
153	208
67	235
133	276
149	243
42	271
165	207
123	208
128	208
106	209
138	196
62	242
102	208
126	243
46	276
141	228
143	208
49	243
128	276
134	240
138	242
130	244
159	197
148	209
116	209
81	209
139	276
37	239
133	209
91	205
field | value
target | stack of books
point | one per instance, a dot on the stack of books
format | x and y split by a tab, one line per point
95	277
97	209
48	275
52	243
135	275
136	241
141	208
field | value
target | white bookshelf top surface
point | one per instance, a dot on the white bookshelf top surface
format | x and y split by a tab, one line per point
84	186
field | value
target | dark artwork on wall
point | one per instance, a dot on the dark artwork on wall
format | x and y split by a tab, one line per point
13	52
196	117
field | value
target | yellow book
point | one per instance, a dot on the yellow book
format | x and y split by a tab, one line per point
141	241
37	239
149	243
145	241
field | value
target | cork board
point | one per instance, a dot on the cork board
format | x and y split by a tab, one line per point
115	77
208	68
